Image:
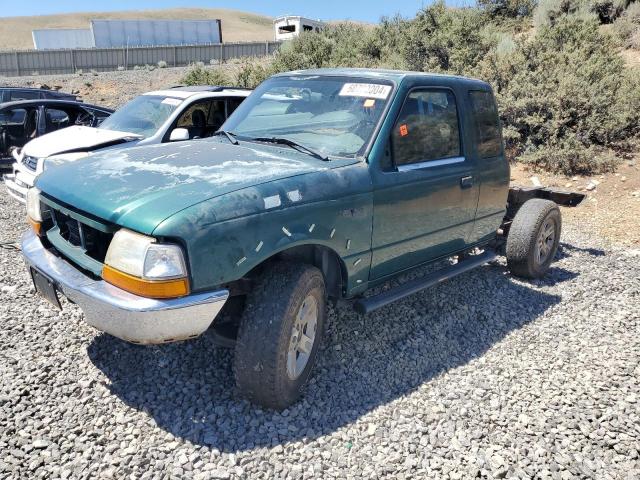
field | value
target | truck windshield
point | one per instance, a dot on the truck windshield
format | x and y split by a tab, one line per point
335	116
143	115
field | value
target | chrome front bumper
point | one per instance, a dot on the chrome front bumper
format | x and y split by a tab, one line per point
120	313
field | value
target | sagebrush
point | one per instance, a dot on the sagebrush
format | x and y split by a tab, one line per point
201	75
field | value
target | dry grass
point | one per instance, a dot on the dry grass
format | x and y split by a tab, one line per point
237	26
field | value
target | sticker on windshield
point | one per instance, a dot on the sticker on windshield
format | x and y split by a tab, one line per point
172	101
369	103
370	90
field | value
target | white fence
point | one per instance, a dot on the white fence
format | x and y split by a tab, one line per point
45	62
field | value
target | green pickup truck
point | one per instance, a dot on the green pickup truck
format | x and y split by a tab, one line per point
321	185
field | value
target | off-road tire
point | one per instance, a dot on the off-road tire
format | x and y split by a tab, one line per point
265	330
523	236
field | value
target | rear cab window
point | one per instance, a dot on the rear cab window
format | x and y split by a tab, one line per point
486	123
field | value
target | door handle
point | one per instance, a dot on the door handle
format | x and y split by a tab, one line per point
466	182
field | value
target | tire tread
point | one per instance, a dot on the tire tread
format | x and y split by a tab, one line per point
259	340
523	235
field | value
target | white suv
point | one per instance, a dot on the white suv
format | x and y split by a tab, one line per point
175	114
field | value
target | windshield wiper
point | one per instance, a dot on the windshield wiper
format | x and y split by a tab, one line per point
293	144
230	135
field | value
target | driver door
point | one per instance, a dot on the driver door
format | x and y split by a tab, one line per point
424	197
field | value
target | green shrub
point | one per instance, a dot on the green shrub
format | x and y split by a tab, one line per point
571	158
627	27
508	8
444	39
605	11
548	12
309	50
345	45
251	74
199	75
564	96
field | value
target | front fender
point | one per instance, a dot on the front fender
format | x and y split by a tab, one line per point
274	217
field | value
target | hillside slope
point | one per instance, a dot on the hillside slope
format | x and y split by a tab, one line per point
237	26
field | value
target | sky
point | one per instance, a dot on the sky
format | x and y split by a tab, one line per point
368	10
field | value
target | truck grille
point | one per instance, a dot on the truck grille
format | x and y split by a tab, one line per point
30	162
94	242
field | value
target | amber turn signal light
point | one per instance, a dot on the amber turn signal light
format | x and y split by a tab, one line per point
146	288
36	226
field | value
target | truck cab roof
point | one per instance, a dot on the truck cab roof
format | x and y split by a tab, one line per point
395	76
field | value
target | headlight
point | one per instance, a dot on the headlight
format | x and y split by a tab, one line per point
138	264
33	205
164	261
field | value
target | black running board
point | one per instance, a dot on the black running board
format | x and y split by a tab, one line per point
369	304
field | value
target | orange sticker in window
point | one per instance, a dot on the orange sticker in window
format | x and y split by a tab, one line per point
404	131
369	102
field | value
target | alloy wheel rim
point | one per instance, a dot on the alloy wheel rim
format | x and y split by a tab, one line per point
545	241
303	335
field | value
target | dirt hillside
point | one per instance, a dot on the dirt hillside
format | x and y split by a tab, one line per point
237	26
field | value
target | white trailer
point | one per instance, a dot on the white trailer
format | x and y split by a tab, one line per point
289	26
121	33
56	38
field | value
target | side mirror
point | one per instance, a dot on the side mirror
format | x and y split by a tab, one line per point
179	134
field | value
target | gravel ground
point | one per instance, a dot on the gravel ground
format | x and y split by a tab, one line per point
485	376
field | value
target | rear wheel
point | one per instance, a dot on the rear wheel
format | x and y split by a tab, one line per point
533	238
280	333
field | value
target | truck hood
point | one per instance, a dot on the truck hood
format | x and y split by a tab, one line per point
140	187
75	139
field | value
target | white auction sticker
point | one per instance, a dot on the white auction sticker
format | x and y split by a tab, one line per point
369	90
172	101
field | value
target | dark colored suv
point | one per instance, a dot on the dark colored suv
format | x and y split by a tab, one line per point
13	94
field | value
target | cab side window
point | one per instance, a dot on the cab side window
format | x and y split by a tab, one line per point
16	95
190	118
232	104
217	115
55	119
486	123
13	117
427	128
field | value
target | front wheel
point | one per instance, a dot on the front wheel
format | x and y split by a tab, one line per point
533	238
280	333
